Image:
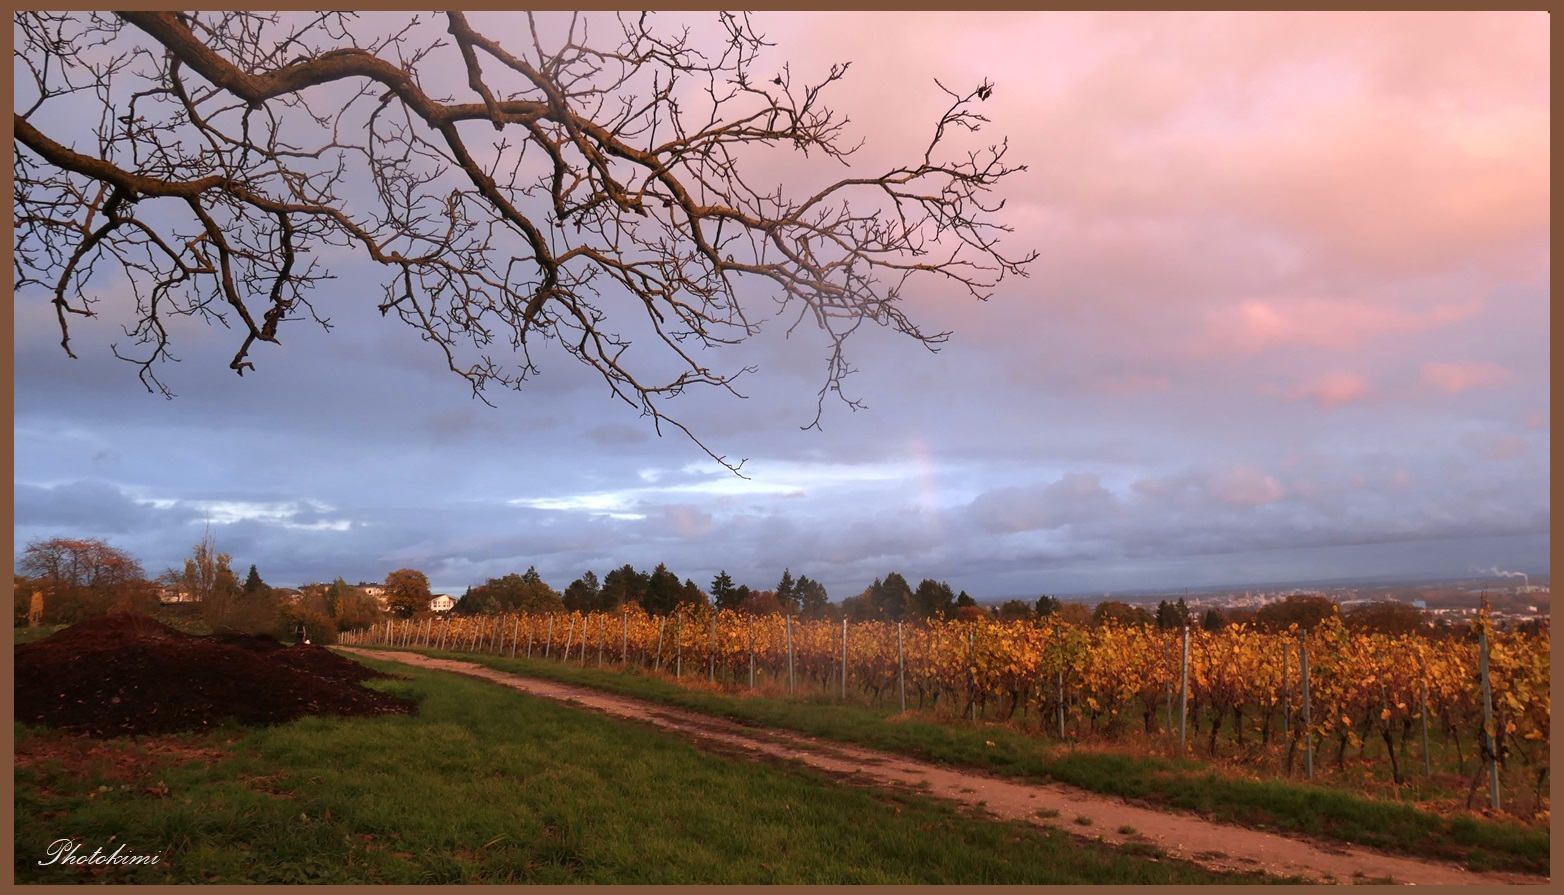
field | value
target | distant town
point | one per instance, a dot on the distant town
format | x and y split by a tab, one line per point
1512	600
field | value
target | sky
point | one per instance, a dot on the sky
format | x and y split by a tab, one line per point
1288	322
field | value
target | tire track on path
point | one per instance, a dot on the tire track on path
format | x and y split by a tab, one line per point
1218	846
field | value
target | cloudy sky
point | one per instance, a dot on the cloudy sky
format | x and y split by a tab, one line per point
1289	321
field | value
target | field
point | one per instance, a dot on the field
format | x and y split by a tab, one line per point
486	785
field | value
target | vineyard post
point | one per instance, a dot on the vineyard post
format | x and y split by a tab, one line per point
711	651
570	634
601	621
515	637
901	671
429	633
1167	686
1490	748
472	639
388	632
752	652
531	633
444	629
844	660
662	621
548	637
1428	760
583	641
1308	718
1059	692
789	632
972	669
1286	698
624	642
678	646
1183	699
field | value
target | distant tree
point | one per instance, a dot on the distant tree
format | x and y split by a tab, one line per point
1239	615
971	612
209	580
860	606
1047	606
1304	610
353	608
1168	617
723	592
83	577
1385	617
1121	613
964	601
1072	613
407	593
812	599
1213	620
932	599
584	594
252	581
624	585
890	598
1015	611
1182	609
526	592
761	602
318	627
692	595
663	591
787	596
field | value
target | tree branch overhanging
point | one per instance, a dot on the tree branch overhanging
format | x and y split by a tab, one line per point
233	145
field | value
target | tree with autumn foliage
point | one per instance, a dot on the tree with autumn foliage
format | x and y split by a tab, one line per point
83	577
407	592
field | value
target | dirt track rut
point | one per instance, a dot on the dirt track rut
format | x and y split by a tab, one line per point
1215	845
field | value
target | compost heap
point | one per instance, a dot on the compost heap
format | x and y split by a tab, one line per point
129	674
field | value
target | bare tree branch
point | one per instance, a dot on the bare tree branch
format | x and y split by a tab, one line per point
232	148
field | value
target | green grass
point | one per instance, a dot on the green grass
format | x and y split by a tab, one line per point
485	785
1189	784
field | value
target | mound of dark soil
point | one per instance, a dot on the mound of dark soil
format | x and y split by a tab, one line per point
129	674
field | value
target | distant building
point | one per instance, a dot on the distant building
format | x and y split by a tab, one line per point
378	591
442	603
169	595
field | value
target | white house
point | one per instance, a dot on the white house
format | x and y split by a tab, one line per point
442	603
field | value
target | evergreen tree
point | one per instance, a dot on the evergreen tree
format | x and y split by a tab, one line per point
1047	606
812	599
1213	620
933	599
723	593
252	581
786	596
584	594
663	591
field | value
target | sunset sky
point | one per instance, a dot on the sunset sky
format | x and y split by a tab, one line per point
1289	321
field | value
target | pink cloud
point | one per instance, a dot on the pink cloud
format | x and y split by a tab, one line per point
1331	391
1254	325
1454	378
1244	486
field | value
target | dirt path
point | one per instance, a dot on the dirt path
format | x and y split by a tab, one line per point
1210	844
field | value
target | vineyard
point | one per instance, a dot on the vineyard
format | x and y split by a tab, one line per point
1302	699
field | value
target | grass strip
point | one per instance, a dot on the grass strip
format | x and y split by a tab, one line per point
487	785
1335	814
